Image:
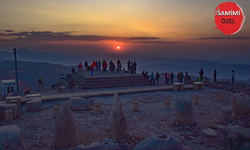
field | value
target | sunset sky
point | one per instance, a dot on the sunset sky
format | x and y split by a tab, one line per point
142	28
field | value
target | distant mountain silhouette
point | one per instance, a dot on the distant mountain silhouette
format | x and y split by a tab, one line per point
40	56
29	72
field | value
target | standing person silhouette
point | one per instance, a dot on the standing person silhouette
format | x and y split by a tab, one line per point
157	77
233	76
215	75
201	74
40	84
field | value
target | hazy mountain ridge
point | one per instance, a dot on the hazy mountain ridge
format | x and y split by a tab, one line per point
40	56
29	72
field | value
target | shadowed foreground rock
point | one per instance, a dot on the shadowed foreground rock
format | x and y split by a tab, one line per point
10	137
117	120
184	112
78	104
93	146
164	142
65	130
240	104
109	144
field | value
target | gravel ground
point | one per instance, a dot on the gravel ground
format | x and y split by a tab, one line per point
37	128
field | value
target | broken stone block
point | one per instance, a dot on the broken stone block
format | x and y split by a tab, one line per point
33	104
198	85
166	142
240	104
78	104
226	114
220	98
167	102
17	98
178	86
10	137
209	132
220	86
93	146
117	120
244	134
135	106
195	100
184	112
8	116
4	107
109	144
65	130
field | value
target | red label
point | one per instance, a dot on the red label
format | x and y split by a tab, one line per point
229	18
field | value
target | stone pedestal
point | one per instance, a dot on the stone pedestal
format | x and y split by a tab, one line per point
55	111
17	98
8	115
62	89
4	107
220	98
167	102
34	104
226	114
195	100
135	106
184	112
97	108
178	86
198	85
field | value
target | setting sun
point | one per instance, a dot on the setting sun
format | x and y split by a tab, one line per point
118	47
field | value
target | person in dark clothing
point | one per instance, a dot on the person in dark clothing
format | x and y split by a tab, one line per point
132	68
215	75
181	77
166	77
146	75
128	65
143	73
186	78
171	78
157	77
73	70
96	65
86	66
178	77
233	76
152	77
40	82
135	66
201	74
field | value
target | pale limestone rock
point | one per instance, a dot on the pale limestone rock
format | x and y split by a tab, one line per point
65	130
117	120
240	104
166	142
184	112
78	104
209	132
10	136
33	104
